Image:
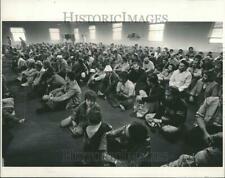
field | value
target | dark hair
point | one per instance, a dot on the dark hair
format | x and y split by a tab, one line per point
90	95
94	117
198	57
46	63
71	76
185	63
170	64
136	61
48	74
219	64
38	65
180	51
125	59
124	75
153	78
137	132
210	75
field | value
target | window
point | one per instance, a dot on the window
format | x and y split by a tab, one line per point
155	32
216	34
92	31
76	34
54	34
117	31
18	33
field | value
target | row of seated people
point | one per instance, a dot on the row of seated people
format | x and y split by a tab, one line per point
158	85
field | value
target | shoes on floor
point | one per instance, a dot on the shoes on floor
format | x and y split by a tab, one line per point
99	93
25	84
122	107
19	78
22	120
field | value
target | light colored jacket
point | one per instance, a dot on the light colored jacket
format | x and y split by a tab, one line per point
71	91
208	109
211	89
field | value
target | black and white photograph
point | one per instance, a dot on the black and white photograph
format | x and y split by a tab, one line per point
112	94
112	91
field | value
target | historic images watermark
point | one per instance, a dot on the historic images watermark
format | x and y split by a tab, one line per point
123	16
72	156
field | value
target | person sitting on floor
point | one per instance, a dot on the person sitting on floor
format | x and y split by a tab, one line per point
167	72
125	92
196	72
148	65
66	96
128	145
48	80
137	75
209	123
164	78
151	101
8	111
62	66
78	119
205	87
207	135
180	79
41	70
219	72
21	65
95	139
34	75
170	116
9	120
80	69
95	78
29	73
108	83
208	157
124	66
191	52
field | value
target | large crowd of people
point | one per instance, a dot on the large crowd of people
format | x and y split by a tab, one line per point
156	84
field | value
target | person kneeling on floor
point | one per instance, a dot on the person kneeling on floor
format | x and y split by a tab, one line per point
66	96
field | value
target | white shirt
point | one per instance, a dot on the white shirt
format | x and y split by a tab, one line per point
181	80
148	67
127	88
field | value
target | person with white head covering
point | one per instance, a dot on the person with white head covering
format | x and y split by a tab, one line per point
108	83
96	75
